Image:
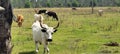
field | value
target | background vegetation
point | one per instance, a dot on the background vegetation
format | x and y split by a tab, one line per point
79	33
63	3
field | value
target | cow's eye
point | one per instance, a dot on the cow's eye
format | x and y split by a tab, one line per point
55	30
43	30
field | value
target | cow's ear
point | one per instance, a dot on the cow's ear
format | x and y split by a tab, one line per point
55	30
43	30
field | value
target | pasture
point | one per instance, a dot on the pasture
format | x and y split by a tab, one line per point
79	33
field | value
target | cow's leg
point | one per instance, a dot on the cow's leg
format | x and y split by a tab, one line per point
47	17
37	48
46	49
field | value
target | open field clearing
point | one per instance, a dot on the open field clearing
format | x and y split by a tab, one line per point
79	33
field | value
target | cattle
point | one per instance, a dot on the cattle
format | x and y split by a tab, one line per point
74	8
100	12
42	33
41	11
20	20
49	13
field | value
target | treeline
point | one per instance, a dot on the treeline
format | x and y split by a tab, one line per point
63	3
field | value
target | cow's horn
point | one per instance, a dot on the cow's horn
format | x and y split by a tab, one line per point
56	26
41	25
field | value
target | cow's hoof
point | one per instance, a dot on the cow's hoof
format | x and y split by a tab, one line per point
36	51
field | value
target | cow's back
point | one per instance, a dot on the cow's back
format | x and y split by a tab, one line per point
36	29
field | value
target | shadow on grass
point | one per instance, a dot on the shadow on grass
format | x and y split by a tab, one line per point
30	52
29	28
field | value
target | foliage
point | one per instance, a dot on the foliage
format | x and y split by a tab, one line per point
92	3
27	4
48	4
64	3
75	3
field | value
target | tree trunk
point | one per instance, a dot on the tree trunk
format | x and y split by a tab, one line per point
92	7
5	27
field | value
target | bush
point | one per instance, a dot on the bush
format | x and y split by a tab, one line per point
27	5
75	4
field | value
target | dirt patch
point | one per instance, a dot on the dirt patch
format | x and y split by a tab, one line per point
112	44
105	51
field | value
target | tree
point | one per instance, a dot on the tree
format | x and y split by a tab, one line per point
69	4
27	4
75	3
5	27
92	5
65	3
117	2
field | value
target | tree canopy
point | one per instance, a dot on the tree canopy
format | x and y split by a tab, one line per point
63	3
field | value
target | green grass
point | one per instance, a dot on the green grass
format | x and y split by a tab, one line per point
79	33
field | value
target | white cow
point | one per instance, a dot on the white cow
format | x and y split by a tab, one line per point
42	34
100	12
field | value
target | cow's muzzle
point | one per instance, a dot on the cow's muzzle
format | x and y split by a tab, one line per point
49	40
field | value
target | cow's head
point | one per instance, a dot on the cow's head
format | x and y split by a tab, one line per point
49	31
20	20
41	11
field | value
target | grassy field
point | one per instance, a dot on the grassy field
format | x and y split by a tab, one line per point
79	33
